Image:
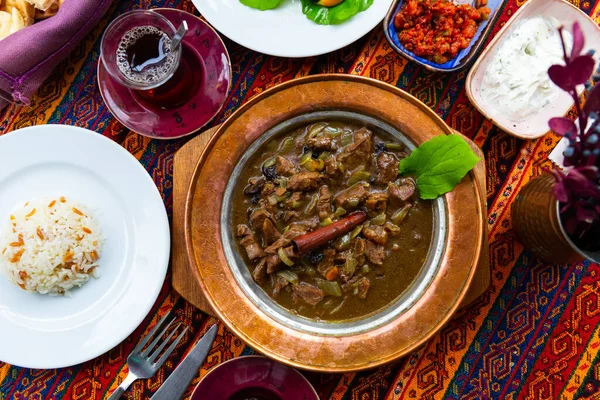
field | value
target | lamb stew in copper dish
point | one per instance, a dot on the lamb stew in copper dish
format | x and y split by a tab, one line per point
325	224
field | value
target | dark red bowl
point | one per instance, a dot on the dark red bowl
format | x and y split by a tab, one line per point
254	377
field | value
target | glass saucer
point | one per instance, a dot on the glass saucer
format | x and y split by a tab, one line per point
202	43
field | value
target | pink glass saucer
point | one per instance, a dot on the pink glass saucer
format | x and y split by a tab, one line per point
204	105
254	377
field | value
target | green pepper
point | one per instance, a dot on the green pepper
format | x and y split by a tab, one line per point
353	202
356	232
333	131
331	288
320	164
286	196
344	243
350	266
316	129
379	220
394	146
326	221
339	212
286	260
287	145
269	163
358	176
289	276
347	138
306	158
312	204
283	182
401	214
313	165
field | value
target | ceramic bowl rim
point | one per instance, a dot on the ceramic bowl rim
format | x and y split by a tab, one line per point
490	49
430	65
251	356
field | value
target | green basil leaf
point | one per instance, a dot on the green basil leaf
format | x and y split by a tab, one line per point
261	4
334	15
439	165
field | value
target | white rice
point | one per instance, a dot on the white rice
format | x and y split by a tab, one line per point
50	246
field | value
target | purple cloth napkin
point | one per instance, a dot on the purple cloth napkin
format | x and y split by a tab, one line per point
28	56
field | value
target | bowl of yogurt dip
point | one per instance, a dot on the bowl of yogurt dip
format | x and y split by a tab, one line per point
509	84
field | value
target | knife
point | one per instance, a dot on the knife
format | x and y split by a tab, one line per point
176	385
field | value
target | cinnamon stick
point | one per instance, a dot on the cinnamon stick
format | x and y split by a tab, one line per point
312	240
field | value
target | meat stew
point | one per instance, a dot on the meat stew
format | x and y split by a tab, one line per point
326	225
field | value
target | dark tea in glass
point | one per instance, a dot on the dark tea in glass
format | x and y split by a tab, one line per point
136	50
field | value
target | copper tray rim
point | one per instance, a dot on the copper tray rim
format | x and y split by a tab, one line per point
190	201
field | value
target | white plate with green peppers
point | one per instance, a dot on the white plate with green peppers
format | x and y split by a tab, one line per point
293	28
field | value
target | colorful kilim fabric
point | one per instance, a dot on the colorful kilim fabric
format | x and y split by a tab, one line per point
533	335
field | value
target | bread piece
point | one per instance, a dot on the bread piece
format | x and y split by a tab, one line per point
39	14
10	22
42	4
26	9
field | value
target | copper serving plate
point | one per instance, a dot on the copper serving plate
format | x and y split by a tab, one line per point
242	305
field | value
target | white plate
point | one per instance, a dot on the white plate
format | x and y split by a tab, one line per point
55	160
285	31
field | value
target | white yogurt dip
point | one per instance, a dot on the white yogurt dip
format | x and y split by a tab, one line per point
516	82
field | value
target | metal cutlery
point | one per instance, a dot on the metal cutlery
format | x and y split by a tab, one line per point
176	385
181	32
143	364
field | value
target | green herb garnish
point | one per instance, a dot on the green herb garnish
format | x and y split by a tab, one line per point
261	4
439	165
334	15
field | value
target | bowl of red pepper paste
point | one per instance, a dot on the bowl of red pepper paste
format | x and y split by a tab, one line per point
438	34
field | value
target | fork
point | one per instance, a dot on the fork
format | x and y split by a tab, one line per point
143	364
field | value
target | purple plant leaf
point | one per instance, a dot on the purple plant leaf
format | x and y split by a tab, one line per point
593	101
577	191
581	69
560	192
577	178
578	41
562	125
559	75
578	72
578	186
589	172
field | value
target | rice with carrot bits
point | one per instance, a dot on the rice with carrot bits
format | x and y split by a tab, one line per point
50	246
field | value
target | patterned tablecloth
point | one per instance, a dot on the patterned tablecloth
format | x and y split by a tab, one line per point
533	335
